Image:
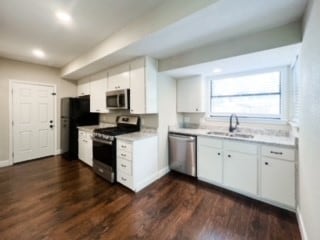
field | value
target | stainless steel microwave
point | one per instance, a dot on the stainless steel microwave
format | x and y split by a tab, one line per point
118	99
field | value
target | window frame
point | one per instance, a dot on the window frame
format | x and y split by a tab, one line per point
284	92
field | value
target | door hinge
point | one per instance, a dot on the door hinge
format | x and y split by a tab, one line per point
12	154
12	123
53	94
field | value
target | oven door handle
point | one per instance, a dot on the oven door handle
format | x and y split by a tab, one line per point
102	141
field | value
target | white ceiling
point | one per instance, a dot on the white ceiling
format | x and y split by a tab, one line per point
283	56
28	24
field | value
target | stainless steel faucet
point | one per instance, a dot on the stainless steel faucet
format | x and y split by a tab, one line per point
231	127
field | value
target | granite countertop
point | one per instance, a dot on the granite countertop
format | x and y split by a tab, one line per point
136	136
90	128
275	140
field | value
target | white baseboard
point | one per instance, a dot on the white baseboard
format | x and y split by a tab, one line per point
163	171
58	151
5	163
302	228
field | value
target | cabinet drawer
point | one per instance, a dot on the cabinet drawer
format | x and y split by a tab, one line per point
82	134
124	154
124	166
278	152
124	179
210	142
124	146
242	147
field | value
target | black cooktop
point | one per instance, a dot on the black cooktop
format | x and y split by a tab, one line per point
114	131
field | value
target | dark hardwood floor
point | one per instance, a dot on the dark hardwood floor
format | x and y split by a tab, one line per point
54	198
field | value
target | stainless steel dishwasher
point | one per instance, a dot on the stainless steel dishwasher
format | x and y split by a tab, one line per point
183	153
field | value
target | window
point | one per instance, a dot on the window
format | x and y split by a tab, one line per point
255	95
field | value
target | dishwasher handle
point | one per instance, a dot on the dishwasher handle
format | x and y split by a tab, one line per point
185	138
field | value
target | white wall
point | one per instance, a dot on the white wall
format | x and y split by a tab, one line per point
15	70
309	154
167	114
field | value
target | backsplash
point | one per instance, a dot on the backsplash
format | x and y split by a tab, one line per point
200	121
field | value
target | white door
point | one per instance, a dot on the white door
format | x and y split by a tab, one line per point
33	121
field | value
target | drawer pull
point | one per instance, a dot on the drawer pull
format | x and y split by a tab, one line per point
122	165
266	163
123	146
123	155
229	156
219	154
278	153
100	170
123	179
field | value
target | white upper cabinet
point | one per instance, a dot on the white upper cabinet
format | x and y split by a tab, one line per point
119	77
84	87
98	88
143	86
191	95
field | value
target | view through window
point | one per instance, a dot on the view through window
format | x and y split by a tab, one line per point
252	95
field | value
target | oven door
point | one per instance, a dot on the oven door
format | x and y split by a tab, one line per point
104	152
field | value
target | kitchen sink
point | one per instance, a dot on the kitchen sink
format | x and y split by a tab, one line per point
241	135
218	133
227	134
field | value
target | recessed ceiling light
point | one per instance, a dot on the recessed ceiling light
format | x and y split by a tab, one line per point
217	70
63	17
38	53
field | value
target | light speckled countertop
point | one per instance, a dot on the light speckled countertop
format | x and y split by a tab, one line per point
92	127
136	136
275	140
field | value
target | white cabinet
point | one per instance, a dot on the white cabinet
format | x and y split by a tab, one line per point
241	171
85	147
83	87
98	88
191	95
137	162
119	77
278	175
210	160
143	86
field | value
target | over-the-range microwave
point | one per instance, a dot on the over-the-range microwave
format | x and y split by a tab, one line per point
118	99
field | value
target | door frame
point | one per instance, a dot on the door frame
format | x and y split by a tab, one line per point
55	132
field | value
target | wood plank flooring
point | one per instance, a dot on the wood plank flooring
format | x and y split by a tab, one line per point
54	198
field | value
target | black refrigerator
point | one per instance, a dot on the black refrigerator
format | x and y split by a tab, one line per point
75	112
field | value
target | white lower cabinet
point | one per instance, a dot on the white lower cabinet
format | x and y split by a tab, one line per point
210	161
278	177
85	147
137	162
241	172
260	171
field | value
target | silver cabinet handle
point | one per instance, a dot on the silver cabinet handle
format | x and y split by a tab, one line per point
124	179
122	165
123	155
278	153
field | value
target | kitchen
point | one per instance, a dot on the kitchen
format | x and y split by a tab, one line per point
260	166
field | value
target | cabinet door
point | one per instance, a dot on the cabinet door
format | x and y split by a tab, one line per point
82	149
98	90
83	87
240	171
119	77
137	87
277	181
191	95
210	164
88	152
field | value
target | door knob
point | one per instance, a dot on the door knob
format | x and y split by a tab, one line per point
51	126
51	121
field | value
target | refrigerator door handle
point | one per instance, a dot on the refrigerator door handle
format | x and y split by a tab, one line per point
118	100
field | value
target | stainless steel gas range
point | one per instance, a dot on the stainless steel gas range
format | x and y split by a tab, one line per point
105	145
